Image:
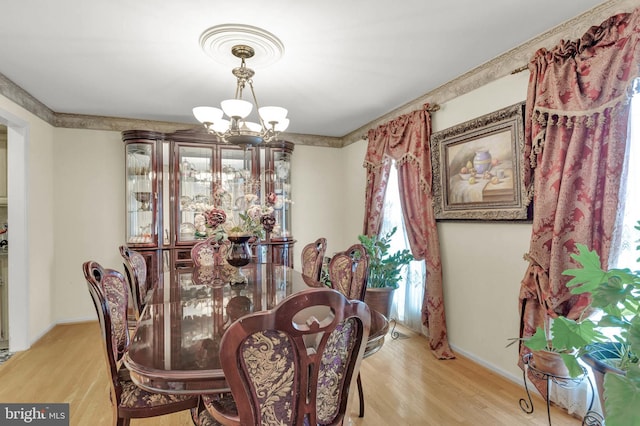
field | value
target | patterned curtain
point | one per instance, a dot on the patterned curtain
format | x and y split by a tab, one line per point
406	140
575	139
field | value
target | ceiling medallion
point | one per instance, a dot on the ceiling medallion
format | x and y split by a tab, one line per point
217	42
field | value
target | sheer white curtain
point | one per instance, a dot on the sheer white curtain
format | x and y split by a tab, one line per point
407	299
626	255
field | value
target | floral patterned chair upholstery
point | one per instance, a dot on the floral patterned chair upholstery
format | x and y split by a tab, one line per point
348	273
110	297
135	268
275	378
312	256
209	252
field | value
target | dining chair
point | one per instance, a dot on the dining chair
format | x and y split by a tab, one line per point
275	378
110	296
312	256
209	252
135	268
348	273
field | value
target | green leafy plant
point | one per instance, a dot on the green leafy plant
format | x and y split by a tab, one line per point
616	292
384	267
567	337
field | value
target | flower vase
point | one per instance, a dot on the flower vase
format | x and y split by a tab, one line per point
239	251
239	255
482	161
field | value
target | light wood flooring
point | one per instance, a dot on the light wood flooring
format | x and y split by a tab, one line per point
403	385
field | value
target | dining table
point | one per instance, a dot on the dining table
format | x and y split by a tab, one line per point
175	346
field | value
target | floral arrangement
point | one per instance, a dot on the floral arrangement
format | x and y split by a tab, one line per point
253	220
208	223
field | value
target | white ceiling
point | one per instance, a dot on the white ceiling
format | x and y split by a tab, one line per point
345	64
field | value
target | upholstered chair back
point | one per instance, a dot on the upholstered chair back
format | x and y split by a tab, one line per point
312	255
110	295
135	268
349	271
276	378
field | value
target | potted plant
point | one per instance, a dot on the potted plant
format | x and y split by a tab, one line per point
384	269
557	347
615	292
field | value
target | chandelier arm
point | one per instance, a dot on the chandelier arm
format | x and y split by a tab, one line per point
239	87
211	130
255	101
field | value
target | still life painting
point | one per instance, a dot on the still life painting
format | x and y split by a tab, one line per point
477	168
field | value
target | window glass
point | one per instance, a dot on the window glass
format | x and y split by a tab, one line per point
627	254
407	305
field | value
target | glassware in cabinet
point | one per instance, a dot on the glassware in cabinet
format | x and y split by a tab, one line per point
141	194
278	180
195	181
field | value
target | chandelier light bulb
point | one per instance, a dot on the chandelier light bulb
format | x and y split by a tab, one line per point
253	126
221	125
271	114
236	108
205	114
281	126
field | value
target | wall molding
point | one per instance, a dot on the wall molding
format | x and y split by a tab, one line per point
494	69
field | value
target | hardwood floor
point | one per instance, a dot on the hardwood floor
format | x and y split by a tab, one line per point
403	385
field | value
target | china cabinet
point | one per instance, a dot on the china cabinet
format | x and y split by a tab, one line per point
174	178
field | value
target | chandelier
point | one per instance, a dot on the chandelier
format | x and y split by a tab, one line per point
236	129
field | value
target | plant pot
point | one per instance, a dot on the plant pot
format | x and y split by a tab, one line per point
549	362
594	358
379	299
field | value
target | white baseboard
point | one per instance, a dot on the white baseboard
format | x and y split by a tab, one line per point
482	362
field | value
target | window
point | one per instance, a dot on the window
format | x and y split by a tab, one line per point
407	304
626	256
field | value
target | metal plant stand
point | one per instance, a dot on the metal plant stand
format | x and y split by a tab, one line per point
592	418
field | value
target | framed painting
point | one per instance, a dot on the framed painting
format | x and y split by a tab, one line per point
477	168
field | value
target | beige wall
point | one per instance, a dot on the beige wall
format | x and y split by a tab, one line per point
89	214
39	231
482	262
329	195
316	176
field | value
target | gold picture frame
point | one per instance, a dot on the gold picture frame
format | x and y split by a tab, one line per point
477	168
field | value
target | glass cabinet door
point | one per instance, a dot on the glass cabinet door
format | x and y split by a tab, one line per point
141	193
194	190
239	182
280	177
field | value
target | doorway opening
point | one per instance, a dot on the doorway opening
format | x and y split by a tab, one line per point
4	246
17	281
